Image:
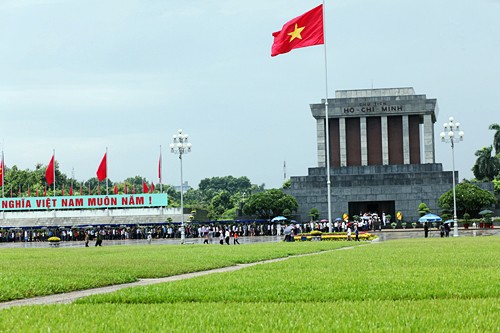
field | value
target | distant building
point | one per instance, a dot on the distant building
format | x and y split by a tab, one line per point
382	155
185	187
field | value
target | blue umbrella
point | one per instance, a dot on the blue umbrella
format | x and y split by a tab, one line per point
429	218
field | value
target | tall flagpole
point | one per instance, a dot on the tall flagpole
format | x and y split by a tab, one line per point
3	174
107	171
160	172
327	130
54	170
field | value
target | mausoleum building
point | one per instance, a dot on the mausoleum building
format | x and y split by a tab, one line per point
382	157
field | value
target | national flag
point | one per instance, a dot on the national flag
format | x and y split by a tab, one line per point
103	169
115	189
145	188
71	189
125	188
302	31
49	172
152	188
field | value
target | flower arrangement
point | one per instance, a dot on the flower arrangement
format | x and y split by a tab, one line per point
54	239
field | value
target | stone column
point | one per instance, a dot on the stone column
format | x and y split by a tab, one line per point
321	143
406	140
364	142
385	141
343	143
429	156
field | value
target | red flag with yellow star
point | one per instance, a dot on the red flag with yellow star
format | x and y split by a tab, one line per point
305	30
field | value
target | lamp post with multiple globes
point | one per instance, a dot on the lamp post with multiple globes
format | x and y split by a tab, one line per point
181	146
452	134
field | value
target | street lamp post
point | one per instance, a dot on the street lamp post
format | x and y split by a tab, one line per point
181	146
452	134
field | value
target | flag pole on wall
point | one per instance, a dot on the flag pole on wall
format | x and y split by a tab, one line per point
159	172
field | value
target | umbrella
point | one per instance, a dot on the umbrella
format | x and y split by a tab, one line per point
338	219
448	221
324	220
429	218
278	218
486	211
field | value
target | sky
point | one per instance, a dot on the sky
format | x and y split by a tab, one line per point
83	76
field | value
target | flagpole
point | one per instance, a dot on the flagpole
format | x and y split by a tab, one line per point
327	130
3	174
160	172
54	173
107	171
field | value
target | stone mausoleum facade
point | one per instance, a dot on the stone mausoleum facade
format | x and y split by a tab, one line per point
382	157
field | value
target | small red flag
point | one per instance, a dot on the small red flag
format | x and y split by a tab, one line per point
49	172
81	188
125	188
71	189
133	189
152	187
102	170
115	190
145	188
302	31
37	192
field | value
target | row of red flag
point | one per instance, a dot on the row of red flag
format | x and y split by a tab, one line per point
145	189
102	174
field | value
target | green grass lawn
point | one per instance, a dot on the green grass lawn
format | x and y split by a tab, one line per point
415	285
45	271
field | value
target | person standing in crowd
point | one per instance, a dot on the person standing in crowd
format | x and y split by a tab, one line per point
441	230
205	238
87	238
98	241
447	229
426	229
349	233
221	237
228	235
356	233
235	238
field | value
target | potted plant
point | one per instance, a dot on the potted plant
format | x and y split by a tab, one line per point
54	241
403	224
414	225
393	225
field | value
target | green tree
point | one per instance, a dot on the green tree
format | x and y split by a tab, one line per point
287	184
487	166
496	138
314	214
470	199
270	203
220	203
423	209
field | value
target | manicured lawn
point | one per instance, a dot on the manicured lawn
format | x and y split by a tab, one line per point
44	271
415	285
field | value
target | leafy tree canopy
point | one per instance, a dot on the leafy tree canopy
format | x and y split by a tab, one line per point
470	199
270	203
